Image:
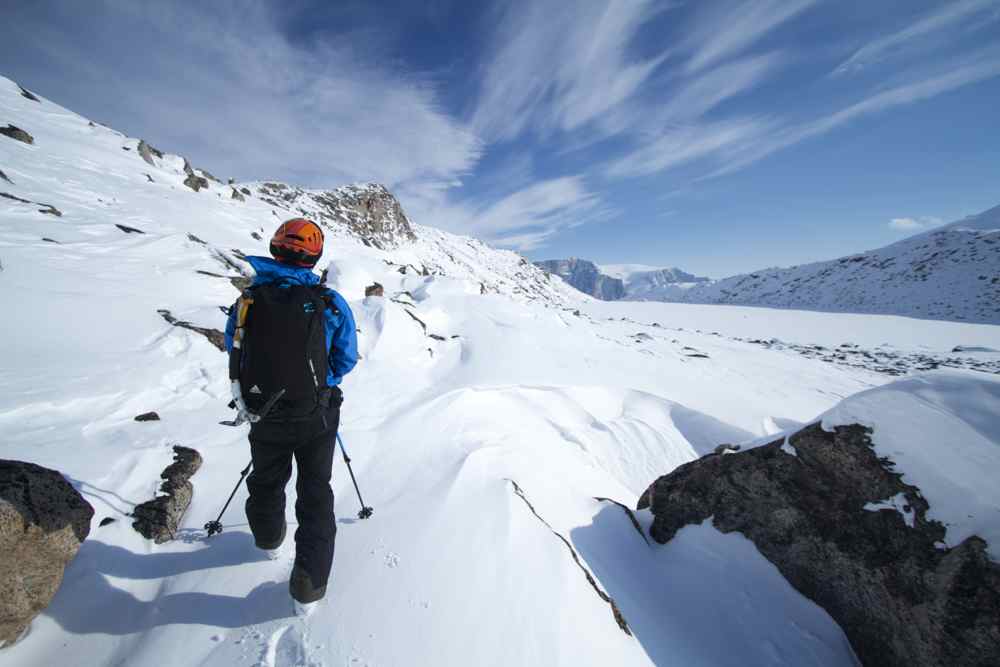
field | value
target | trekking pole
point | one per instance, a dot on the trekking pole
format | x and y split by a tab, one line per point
365	511
214	527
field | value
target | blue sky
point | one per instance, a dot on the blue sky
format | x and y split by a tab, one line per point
716	136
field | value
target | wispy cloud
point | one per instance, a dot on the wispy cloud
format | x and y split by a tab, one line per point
724	30
233	92
555	67
523	219
915	36
687	143
981	66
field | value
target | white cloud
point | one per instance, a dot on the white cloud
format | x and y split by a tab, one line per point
559	67
913	224
233	92
726	29
983	65
524	219
687	143
941	23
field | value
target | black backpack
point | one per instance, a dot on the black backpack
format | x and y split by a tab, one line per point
285	348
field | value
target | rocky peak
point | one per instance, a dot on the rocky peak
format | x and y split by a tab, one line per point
368	210
586	277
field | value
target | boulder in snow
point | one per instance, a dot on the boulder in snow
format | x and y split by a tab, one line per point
17	133
375	289
43	521
237	195
147	153
846	531
196	183
160	518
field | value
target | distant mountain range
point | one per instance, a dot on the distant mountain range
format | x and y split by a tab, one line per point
948	273
631	282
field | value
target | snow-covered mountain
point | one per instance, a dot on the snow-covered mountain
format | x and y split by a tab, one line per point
497	422
586	277
948	273
611	282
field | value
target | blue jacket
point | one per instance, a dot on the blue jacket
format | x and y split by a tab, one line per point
341	333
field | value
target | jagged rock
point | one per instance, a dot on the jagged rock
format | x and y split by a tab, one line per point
147	417
238	196
727	449
586	277
209	176
17	133
43	521
106	521
159	519
129	230
245	191
256	236
28	95
46	238
214	336
192	237
147	152
196	183
50	210
187	168
375	289
899	598
370	211
3	176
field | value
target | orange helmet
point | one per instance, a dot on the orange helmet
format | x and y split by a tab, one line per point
298	241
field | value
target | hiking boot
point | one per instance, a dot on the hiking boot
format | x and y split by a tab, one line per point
300	585
273	546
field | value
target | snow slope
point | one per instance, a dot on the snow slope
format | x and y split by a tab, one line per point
948	273
495	415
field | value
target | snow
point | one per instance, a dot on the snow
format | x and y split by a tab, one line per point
787	448
899	503
942	430
478	373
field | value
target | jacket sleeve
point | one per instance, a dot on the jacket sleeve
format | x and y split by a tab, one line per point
231	327
344	342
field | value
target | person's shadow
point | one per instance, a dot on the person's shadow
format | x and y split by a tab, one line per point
88	602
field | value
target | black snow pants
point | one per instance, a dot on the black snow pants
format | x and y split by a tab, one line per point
312	443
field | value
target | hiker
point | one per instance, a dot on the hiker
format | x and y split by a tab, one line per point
297	337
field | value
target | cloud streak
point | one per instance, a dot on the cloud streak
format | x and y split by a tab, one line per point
931	26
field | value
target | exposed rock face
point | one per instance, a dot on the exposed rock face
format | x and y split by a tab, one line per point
158	519
238	195
214	336
586	277
369	211
899	598
375	289
147	152
3	177
43	521
17	133
196	183
147	417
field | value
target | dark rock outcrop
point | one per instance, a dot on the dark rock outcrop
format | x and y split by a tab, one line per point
900	599
50	210
586	277
147	153
43	521
195	182
26	94
147	417
370	211
375	289
214	336
237	195
4	177
160	518
129	230
17	133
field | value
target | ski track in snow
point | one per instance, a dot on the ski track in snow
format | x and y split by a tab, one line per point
506	375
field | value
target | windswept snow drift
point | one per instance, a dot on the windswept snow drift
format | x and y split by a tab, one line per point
479	376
